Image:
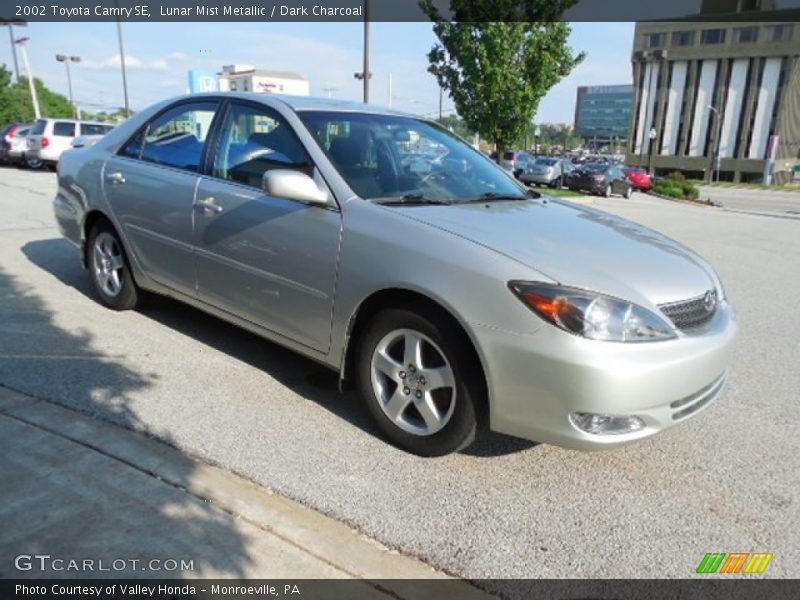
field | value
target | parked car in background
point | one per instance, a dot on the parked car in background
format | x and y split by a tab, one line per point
48	138
515	161
600	178
13	142
639	177
547	170
454	298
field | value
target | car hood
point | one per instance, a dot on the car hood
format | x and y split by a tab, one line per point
578	246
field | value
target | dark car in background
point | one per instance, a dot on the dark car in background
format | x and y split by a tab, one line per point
516	161
639	177
600	178
6	135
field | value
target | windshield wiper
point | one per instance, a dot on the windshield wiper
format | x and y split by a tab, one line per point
414	198
497	197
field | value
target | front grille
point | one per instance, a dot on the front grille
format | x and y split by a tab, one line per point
688	314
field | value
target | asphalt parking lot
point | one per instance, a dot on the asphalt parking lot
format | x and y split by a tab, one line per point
726	481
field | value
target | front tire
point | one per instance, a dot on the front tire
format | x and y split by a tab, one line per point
607	192
418	381
110	269
628	192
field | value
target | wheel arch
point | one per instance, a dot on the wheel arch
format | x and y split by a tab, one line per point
397	297
92	217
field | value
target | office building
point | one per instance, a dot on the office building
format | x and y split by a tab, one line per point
603	113
720	94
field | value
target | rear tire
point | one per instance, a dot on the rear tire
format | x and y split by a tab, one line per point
607	192
33	163
399	349
110	269
628	192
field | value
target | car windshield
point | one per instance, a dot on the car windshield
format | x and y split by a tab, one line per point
546	161
386	157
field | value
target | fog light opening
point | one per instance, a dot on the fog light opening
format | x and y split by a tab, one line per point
596	424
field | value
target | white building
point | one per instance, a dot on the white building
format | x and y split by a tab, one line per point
246	78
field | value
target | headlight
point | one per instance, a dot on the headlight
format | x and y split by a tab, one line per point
592	315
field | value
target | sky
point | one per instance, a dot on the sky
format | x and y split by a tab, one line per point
158	56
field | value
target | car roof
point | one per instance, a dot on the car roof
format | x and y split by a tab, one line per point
303	103
65	120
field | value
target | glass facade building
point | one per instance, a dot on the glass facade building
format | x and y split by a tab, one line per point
603	113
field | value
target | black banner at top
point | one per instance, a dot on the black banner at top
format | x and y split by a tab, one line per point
396	10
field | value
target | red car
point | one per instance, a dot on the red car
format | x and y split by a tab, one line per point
639	177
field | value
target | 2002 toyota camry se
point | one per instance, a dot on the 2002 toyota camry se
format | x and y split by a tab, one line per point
386	248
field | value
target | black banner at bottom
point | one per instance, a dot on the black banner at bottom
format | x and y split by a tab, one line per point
428	589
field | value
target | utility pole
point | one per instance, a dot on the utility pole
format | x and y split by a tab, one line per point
21	42
124	74
365	74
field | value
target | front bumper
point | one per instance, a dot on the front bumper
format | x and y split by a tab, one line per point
537	381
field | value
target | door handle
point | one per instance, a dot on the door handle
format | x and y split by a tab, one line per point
208	206
115	178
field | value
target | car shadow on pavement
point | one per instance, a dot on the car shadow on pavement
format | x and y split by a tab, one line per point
47	510
303	376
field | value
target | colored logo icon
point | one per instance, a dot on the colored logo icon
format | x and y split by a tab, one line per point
734	562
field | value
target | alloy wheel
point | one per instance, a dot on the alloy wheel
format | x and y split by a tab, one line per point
413	382
108	264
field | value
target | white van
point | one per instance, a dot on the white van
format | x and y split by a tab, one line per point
48	138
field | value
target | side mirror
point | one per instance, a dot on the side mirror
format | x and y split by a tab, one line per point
293	185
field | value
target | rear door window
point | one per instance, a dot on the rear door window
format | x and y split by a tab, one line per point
93	129
64	129
176	137
39	127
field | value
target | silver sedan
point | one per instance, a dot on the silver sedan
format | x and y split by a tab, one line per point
455	299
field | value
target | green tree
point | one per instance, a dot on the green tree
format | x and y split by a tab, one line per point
457	125
498	71
16	105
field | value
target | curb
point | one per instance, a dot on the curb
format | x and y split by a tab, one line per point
312	532
707	203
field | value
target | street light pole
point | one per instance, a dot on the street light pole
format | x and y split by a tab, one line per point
21	42
66	60
10	26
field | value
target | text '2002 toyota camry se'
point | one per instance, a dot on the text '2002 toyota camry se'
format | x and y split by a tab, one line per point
386	248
